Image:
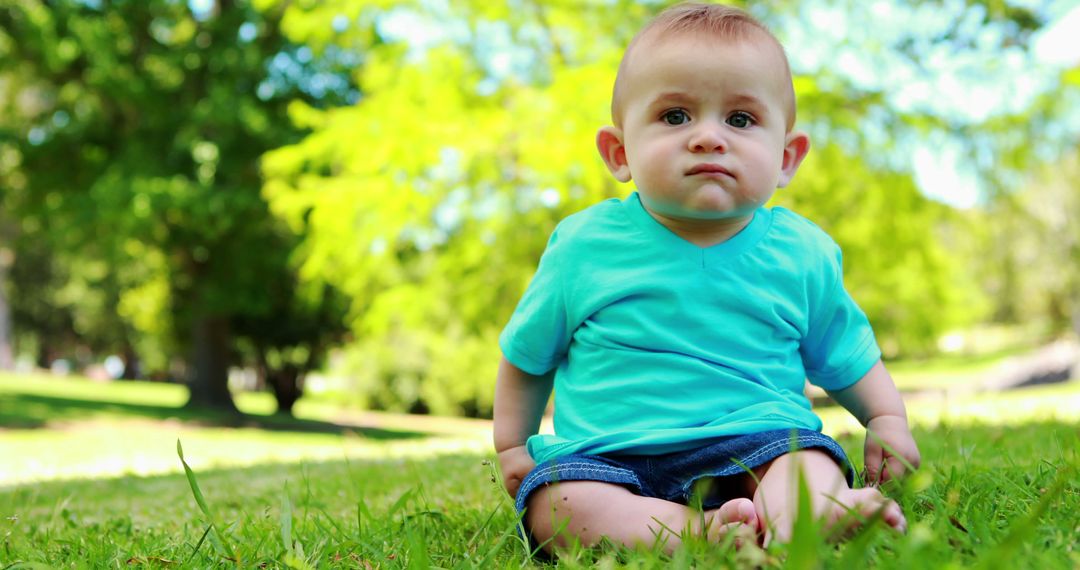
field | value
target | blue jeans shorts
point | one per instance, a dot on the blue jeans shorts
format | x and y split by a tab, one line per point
675	476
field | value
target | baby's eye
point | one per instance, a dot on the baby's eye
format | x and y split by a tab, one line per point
675	117
740	120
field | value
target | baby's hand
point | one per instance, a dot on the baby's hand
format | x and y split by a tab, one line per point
515	463
888	439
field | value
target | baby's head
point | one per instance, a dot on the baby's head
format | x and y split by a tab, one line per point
702	115
708	22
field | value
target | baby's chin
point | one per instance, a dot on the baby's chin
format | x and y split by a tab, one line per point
718	208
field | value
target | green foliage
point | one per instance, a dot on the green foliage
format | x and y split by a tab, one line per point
898	262
271	174
443	208
448	175
1042	231
132	135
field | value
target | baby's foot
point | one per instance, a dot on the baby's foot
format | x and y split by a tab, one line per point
851	508
736	516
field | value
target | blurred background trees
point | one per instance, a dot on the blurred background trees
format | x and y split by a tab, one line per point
133	133
199	185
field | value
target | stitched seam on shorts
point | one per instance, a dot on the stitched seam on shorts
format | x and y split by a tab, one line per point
530	482
586	467
768	448
764	450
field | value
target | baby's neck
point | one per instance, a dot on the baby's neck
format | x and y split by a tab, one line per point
703	233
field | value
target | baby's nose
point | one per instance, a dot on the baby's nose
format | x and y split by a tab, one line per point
708	137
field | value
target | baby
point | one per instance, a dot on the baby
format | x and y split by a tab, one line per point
678	326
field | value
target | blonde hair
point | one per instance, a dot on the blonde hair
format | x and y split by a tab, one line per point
716	20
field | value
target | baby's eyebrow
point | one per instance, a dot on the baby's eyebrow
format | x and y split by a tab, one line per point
734	99
745	99
674	97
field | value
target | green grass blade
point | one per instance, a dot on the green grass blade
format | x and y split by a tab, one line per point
494	549
286	519
1020	530
198	545
294	550
418	551
482	528
215	538
803	548
857	551
195	490
400	503
336	530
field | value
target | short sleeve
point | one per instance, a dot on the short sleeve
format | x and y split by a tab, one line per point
839	347
538	335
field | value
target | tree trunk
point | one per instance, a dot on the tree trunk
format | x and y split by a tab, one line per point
7	359
208	379
44	360
287	386
131	363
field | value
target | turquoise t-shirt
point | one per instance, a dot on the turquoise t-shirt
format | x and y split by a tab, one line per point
660	345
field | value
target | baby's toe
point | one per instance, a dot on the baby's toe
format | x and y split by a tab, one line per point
894	516
856	506
739	510
737	517
870	502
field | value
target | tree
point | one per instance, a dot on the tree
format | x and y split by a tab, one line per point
449	173
1043	233
139	147
294	332
6	257
418	174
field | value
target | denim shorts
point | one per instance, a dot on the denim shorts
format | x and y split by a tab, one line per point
675	476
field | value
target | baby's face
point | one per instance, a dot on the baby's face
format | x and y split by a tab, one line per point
705	126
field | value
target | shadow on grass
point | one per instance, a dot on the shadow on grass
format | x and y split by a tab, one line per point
330	485
36	411
981	505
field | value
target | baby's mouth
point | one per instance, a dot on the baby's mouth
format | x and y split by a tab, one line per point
709	170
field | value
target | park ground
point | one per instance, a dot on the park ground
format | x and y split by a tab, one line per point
90	477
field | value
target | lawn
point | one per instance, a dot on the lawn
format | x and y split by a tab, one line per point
90	478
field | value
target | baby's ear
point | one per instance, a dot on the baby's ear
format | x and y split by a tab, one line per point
609	141
796	145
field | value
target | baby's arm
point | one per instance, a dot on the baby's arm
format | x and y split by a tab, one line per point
520	399
876	403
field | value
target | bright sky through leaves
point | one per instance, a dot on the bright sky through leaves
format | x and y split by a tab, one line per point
965	86
969	87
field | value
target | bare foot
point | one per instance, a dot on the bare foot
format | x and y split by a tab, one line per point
841	509
736	516
850	509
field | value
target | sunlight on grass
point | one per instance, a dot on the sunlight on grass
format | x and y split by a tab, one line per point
940	376
84	429
996	488
109	448
1057	402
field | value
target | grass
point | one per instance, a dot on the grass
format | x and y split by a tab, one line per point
420	492
943	372
54	428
